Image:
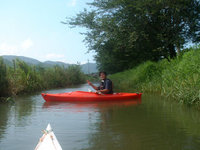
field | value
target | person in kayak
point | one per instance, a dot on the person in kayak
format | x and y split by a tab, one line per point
105	87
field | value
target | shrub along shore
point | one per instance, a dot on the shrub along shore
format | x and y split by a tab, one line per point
23	78
178	78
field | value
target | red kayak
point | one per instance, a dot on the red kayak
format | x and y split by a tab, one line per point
82	96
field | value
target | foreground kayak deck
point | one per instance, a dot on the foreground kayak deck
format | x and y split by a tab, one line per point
82	96
48	141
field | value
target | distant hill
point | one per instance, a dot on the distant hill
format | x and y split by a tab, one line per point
89	68
53	63
8	60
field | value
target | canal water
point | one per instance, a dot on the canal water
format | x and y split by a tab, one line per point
152	123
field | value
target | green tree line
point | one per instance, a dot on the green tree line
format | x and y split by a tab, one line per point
24	78
126	33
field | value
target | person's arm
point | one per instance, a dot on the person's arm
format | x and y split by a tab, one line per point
104	91
94	87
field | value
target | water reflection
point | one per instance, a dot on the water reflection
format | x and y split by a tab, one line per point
153	125
150	123
16	114
88	106
4	115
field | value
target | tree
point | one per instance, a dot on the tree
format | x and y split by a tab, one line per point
125	33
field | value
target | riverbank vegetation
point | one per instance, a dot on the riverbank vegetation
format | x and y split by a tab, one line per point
149	36
126	33
178	78
24	78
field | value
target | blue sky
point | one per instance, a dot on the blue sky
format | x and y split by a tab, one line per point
33	28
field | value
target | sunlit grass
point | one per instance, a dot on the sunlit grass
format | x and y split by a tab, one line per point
179	78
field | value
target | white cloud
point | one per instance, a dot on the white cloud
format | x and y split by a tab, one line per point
6	49
72	3
26	44
15	49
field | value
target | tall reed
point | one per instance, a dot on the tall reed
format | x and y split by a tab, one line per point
24	78
179	78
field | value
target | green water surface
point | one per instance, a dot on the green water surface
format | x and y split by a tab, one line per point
152	123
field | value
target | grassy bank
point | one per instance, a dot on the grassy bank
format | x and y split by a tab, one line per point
179	78
23	78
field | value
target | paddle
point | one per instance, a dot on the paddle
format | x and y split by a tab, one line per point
99	93
96	92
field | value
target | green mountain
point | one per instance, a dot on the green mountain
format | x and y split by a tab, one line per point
53	63
9	59
89	68
86	68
